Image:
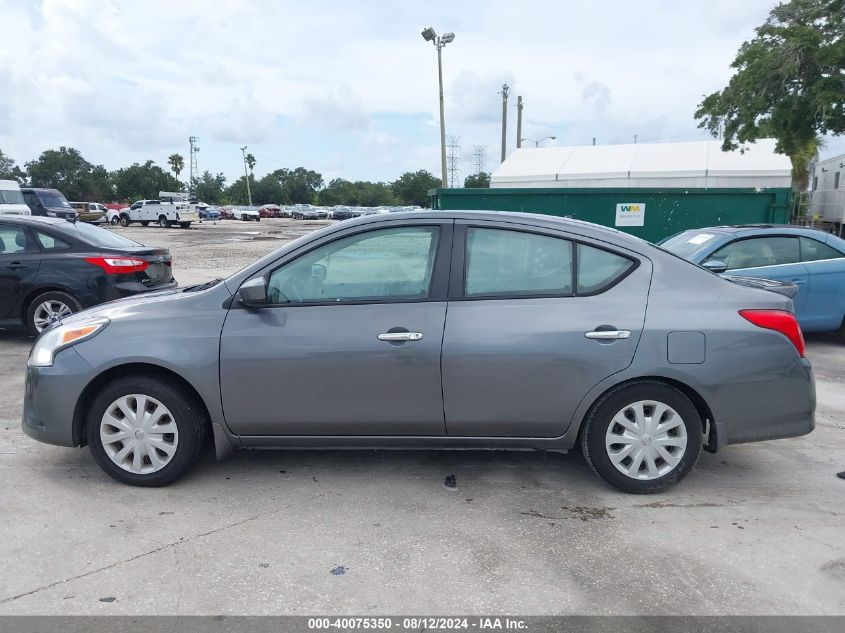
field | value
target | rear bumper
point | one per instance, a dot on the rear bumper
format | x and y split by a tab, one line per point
50	398
767	409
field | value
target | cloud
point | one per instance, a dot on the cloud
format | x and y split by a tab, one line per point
594	93
340	110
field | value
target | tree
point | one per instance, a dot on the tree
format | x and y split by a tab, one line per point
480	180
360	193
9	170
413	187
66	170
237	193
250	162
177	164
138	182
789	82
209	188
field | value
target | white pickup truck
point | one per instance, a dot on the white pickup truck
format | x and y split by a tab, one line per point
165	214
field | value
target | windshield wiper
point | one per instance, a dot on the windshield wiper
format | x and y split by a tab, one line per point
205	286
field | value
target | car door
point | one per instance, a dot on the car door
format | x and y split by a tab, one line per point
535	320
19	263
350	341
770	257
824	307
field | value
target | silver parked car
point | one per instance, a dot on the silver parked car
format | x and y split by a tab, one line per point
434	329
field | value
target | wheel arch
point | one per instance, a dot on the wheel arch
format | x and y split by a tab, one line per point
40	290
700	404
121	371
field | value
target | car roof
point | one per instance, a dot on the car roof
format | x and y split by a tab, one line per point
39	189
757	229
32	220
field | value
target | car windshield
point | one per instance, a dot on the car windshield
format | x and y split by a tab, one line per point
102	237
11	196
688	243
51	200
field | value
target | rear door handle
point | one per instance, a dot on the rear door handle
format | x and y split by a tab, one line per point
400	337
608	335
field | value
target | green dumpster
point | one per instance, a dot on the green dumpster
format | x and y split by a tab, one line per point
651	214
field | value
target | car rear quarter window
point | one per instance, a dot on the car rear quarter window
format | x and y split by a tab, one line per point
599	269
505	263
813	250
51	242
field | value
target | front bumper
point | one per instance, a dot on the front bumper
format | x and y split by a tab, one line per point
50	399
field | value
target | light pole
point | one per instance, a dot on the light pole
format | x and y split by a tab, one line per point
537	143
439	41
246	176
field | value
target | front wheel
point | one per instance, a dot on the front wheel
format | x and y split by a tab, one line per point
124	221
163	223
49	308
642	437
145	431
114	221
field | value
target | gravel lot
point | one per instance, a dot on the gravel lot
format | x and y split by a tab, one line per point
756	529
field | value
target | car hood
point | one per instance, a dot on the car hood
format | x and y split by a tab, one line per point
781	287
129	306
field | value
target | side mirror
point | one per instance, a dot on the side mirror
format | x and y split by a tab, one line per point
253	293
715	266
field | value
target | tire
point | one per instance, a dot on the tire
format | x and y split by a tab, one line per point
124	221
185	225
145	222
183	411
45	303
651	473
114	220
163	223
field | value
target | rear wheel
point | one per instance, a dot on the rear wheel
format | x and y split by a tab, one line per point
642	437
48	308
124	221
114	221
162	222
145	431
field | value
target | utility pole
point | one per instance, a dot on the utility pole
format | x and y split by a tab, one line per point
519	121
194	167
454	160
504	93
246	176
594	140
635	139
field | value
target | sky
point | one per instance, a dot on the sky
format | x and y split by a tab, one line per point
349	88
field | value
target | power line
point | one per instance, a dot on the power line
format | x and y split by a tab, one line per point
479	158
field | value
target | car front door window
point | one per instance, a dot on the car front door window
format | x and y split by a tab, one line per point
392	264
758	251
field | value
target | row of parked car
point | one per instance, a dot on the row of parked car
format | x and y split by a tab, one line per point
297	212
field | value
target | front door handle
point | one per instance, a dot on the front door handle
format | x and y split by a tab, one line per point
608	335
16	266
400	337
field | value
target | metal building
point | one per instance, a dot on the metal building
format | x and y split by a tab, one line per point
827	192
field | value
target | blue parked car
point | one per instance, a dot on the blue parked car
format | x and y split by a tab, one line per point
209	213
809	258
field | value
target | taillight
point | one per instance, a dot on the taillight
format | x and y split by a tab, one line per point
119	265
780	321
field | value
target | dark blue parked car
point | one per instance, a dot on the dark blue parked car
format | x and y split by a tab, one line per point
809	258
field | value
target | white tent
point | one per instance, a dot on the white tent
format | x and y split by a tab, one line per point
694	165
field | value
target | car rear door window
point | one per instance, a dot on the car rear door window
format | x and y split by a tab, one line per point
14	239
382	265
813	250
50	242
598	269
758	251
505	263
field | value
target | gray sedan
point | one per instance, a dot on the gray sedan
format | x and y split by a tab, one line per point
438	330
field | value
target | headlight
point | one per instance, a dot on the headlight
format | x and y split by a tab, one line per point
58	338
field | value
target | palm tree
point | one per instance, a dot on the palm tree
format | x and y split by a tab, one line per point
177	164
250	161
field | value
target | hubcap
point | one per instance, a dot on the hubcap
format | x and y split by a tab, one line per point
139	434
49	312
646	440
